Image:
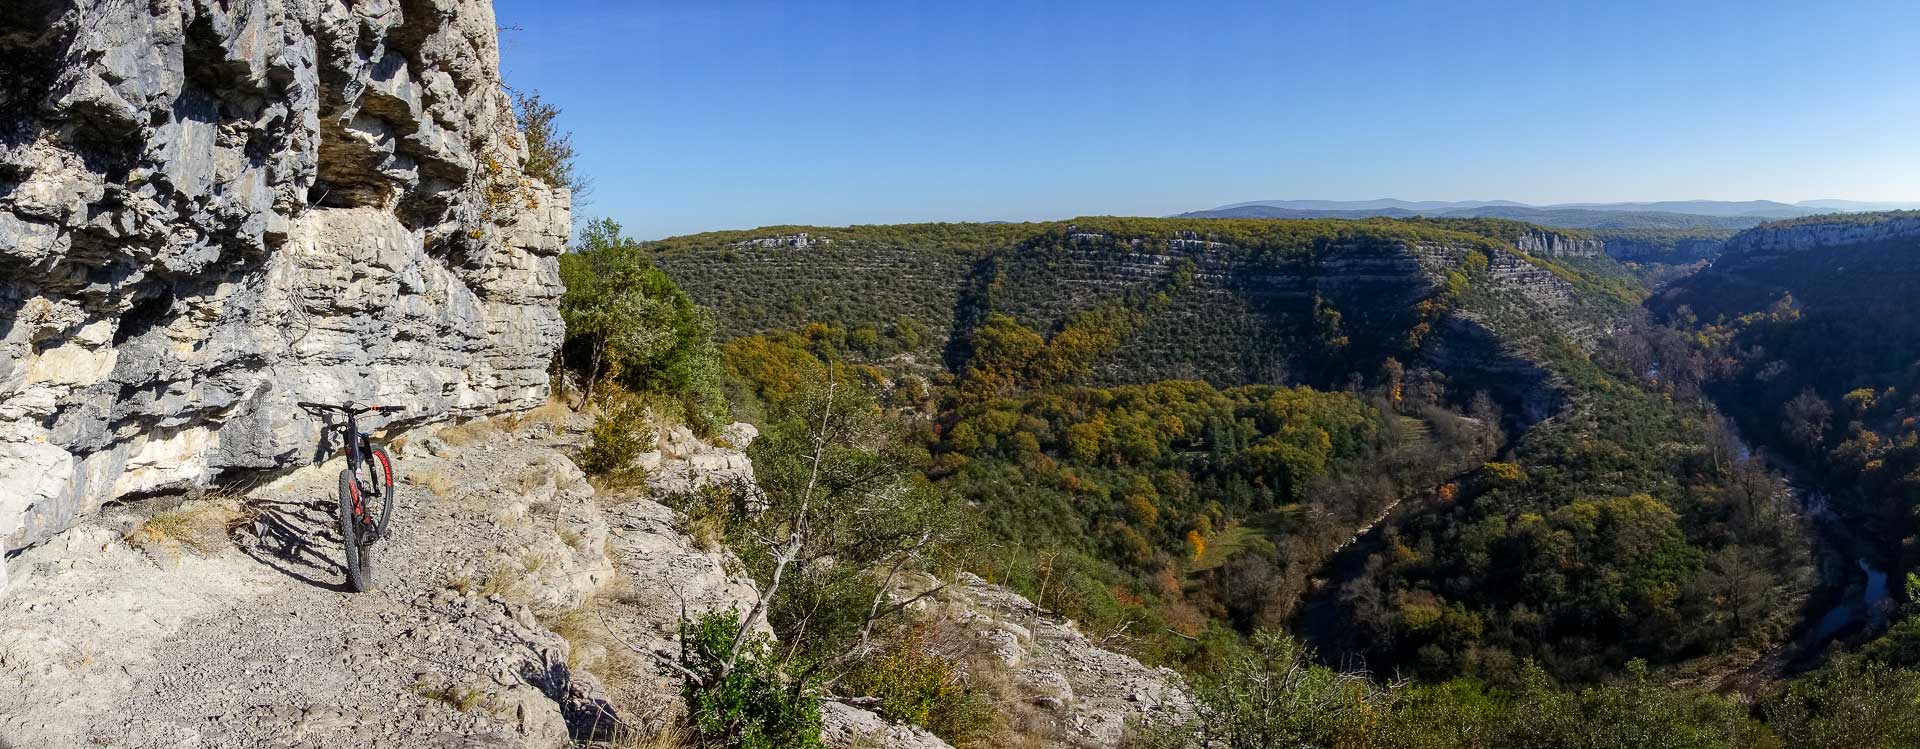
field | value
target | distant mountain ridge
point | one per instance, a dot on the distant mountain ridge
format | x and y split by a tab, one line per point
1669	214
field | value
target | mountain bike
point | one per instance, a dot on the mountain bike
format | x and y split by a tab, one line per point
366	484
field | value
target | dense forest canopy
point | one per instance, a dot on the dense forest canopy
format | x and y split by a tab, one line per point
1487	470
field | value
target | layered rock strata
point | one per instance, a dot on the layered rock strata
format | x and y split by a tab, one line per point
212	210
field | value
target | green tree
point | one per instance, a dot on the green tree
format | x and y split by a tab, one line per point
627	319
840	513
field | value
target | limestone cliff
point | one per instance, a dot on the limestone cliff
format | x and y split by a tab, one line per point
1556	244
1311	307
1821	232
211	210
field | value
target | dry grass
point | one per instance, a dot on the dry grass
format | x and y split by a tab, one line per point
1016	722
436	481
201	526
591	646
474	431
709	532
586	650
510	579
459	581
553	413
625	736
463	698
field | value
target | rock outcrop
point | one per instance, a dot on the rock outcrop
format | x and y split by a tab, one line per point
1555	244
211	210
1826	232
1076	693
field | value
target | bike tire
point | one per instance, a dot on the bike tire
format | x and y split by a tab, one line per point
359	556
380	468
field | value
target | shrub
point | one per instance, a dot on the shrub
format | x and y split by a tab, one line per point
621	432
549	149
917	686
748	704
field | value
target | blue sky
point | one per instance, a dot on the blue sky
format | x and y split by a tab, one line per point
695	115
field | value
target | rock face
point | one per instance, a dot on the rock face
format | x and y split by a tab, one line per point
211	210
1076	693
1555	244
1228	316
1808	234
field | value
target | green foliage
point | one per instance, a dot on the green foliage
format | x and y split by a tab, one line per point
1557	566
1123	300
838	511
857	491
919	687
1866	218
1854	704
751	705
550	156
1271	694
1813	354
627	321
1637	712
621	432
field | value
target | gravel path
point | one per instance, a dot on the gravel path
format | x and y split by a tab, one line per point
255	643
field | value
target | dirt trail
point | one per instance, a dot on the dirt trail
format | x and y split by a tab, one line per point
257	644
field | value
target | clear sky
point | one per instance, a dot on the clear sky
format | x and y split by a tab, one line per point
695	115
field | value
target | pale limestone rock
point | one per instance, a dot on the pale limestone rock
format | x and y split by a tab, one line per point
209	211
848	727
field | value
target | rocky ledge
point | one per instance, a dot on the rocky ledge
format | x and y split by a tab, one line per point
1833	231
212	210
1555	244
517	607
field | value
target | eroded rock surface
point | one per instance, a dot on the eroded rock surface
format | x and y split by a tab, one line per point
1080	695
251	641
211	210
1819	233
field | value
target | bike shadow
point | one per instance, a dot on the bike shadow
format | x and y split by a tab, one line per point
296	539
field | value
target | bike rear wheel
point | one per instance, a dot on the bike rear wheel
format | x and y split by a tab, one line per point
354	532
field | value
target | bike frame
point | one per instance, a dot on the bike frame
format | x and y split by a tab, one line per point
359	449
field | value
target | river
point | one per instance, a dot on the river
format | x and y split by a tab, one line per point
1854	590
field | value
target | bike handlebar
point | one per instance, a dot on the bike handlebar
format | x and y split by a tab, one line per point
350	408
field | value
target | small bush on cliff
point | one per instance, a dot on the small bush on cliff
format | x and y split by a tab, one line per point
628	322
621	432
737	697
917	685
1272	694
549	149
